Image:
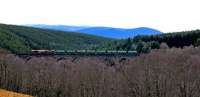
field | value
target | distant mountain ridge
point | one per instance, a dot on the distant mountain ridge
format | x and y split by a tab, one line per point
119	33
58	27
109	32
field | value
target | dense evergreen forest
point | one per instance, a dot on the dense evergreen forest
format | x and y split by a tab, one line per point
146	43
19	39
177	39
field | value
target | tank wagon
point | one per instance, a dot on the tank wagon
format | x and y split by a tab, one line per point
82	52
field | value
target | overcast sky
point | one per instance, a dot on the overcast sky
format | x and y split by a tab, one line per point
164	15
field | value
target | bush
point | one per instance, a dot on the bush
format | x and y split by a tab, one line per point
142	47
154	45
164	46
197	42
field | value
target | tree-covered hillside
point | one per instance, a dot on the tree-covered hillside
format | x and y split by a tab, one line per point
19	39
176	39
146	43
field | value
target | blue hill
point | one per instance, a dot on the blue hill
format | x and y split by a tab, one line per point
118	32
109	32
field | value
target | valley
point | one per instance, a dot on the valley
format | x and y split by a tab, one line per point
49	63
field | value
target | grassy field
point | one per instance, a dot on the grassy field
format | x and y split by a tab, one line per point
4	93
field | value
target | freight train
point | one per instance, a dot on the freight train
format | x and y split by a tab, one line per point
82	52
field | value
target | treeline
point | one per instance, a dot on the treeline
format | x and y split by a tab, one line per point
178	39
161	73
130	45
144	44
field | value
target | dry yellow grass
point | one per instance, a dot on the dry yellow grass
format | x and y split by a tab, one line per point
4	93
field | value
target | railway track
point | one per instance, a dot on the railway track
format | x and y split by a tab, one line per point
81	53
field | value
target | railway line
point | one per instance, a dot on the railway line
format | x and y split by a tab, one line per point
79	53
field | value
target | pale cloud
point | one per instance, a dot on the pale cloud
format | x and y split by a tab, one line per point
165	15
